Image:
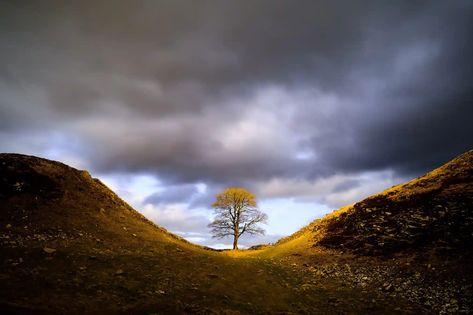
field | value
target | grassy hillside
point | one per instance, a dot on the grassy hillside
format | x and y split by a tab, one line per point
70	245
411	241
432	212
51	199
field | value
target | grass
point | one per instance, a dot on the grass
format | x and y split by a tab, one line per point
110	259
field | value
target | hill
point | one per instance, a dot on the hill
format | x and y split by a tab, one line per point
413	241
432	212
69	207
65	235
71	245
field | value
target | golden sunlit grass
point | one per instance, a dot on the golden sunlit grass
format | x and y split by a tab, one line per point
294	243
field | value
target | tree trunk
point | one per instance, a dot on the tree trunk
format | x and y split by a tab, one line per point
235	240
236	228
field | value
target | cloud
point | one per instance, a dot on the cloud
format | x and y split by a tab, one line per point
177	218
317	101
334	191
358	87
173	194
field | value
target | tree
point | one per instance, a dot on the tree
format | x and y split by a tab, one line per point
236	214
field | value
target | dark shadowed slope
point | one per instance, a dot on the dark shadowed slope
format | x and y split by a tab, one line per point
412	241
39	196
432	212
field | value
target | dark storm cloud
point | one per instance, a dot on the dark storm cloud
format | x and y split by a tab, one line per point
173	194
232	92
347	184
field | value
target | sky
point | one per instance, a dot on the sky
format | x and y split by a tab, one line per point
311	105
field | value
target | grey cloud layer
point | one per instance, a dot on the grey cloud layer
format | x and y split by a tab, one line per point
173	194
237	92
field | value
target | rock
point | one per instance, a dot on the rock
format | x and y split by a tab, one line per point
49	250
388	287
119	272
306	286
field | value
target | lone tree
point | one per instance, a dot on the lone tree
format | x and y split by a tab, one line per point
236	214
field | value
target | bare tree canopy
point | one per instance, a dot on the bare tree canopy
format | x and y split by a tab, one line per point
236	214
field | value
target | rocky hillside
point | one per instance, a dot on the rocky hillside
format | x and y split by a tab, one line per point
432	212
413	241
48	200
69	245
